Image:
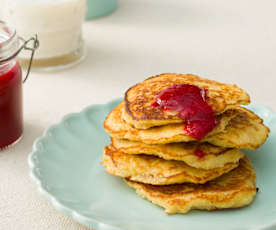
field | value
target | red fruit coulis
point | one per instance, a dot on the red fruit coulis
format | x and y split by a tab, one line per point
199	153
190	103
11	119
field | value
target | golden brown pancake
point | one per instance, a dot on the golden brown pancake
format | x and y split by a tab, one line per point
214	156
139	98
232	190
246	131
118	128
157	171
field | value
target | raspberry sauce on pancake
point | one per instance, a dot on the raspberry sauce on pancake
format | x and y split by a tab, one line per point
199	153
190	103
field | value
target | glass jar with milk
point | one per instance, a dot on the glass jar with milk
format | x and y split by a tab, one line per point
58	24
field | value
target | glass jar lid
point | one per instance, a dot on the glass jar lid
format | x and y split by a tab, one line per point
11	45
9	41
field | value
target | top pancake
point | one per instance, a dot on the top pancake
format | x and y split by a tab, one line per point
116	126
237	128
139	98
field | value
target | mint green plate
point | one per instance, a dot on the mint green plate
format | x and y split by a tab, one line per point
65	164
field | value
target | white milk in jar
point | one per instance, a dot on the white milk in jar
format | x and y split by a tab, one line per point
58	24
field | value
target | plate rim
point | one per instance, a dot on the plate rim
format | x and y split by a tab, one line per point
90	221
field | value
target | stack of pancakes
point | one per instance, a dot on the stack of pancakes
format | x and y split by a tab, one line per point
157	157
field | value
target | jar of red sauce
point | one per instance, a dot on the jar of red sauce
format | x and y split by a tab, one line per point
11	109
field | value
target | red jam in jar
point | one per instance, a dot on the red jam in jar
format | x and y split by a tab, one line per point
190	103
11	118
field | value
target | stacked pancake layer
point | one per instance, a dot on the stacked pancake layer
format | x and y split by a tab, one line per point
167	166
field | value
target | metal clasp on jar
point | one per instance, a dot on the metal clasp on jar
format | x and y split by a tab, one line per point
26	46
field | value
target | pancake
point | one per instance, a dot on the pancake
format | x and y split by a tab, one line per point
139	98
232	190
245	131
214	156
118	128
157	171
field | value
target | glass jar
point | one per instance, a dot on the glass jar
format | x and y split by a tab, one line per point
11	109
11	112
58	24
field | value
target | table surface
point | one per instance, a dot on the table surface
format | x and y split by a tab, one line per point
228	41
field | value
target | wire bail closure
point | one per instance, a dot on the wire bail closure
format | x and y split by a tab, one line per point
32	48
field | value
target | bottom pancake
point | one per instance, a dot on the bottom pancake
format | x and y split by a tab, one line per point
157	171
232	190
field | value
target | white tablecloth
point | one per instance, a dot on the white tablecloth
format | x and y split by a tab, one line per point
229	41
